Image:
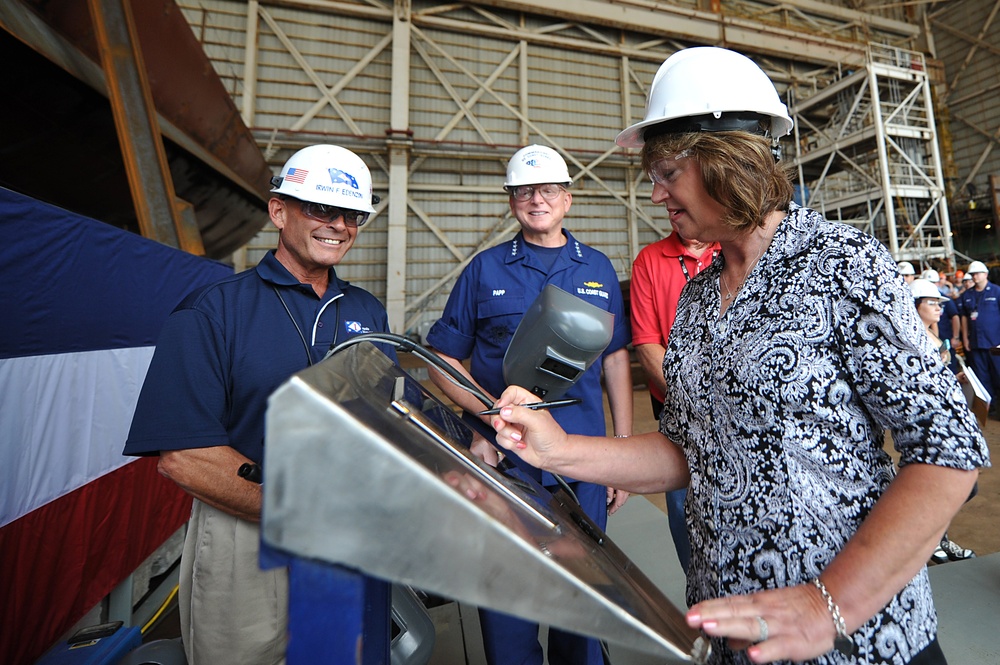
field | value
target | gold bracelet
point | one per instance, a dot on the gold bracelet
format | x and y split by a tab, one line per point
842	642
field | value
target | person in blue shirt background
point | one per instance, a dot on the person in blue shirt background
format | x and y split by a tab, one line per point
220	355
980	307
484	309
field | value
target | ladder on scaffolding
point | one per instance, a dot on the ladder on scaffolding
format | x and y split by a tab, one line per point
867	154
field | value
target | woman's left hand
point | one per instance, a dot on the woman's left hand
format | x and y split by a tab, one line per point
779	624
484	450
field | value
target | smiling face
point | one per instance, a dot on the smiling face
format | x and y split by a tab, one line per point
678	186
309	247
541	218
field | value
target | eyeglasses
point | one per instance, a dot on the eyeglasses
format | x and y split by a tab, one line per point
327	213
666	171
549	192
658	175
933	303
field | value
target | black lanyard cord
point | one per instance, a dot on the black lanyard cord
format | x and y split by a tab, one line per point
684	268
305	345
295	323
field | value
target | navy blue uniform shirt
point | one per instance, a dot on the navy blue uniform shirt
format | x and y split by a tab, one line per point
983	310
228	346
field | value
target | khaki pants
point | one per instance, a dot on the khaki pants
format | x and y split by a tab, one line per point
231	611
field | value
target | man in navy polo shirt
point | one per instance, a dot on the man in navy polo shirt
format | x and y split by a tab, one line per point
221	353
482	313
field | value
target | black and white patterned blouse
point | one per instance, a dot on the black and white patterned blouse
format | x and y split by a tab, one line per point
781	405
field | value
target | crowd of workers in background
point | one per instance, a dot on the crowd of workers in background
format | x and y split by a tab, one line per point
951	285
970	319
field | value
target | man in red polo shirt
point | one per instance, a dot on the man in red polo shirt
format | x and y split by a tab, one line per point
659	273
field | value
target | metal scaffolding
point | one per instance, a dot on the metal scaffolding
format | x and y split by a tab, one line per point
866	153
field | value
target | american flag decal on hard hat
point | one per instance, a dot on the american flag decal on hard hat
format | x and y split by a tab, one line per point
296	175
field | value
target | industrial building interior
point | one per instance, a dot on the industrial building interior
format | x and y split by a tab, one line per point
167	118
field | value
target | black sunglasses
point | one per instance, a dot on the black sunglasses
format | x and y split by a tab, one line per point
327	213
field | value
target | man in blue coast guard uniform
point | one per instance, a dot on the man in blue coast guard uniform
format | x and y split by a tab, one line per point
482	313
980	307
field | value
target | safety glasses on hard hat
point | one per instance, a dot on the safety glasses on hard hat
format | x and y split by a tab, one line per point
327	213
549	192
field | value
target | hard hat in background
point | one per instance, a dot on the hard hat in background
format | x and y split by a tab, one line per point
931	276
967	277
922	288
327	174
976	266
536	165
906	268
712	89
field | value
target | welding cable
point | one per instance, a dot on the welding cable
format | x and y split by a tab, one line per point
407	345
163	608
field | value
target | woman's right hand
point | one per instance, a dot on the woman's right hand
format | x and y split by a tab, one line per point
533	435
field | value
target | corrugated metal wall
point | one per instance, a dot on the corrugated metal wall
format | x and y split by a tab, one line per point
473	101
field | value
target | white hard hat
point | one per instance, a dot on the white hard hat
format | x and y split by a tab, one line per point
977	266
715	89
536	165
327	174
931	276
922	288
906	268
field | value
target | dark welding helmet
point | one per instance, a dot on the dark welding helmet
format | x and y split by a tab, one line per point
559	338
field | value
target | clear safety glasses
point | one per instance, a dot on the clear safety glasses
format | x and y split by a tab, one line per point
666	171
549	192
